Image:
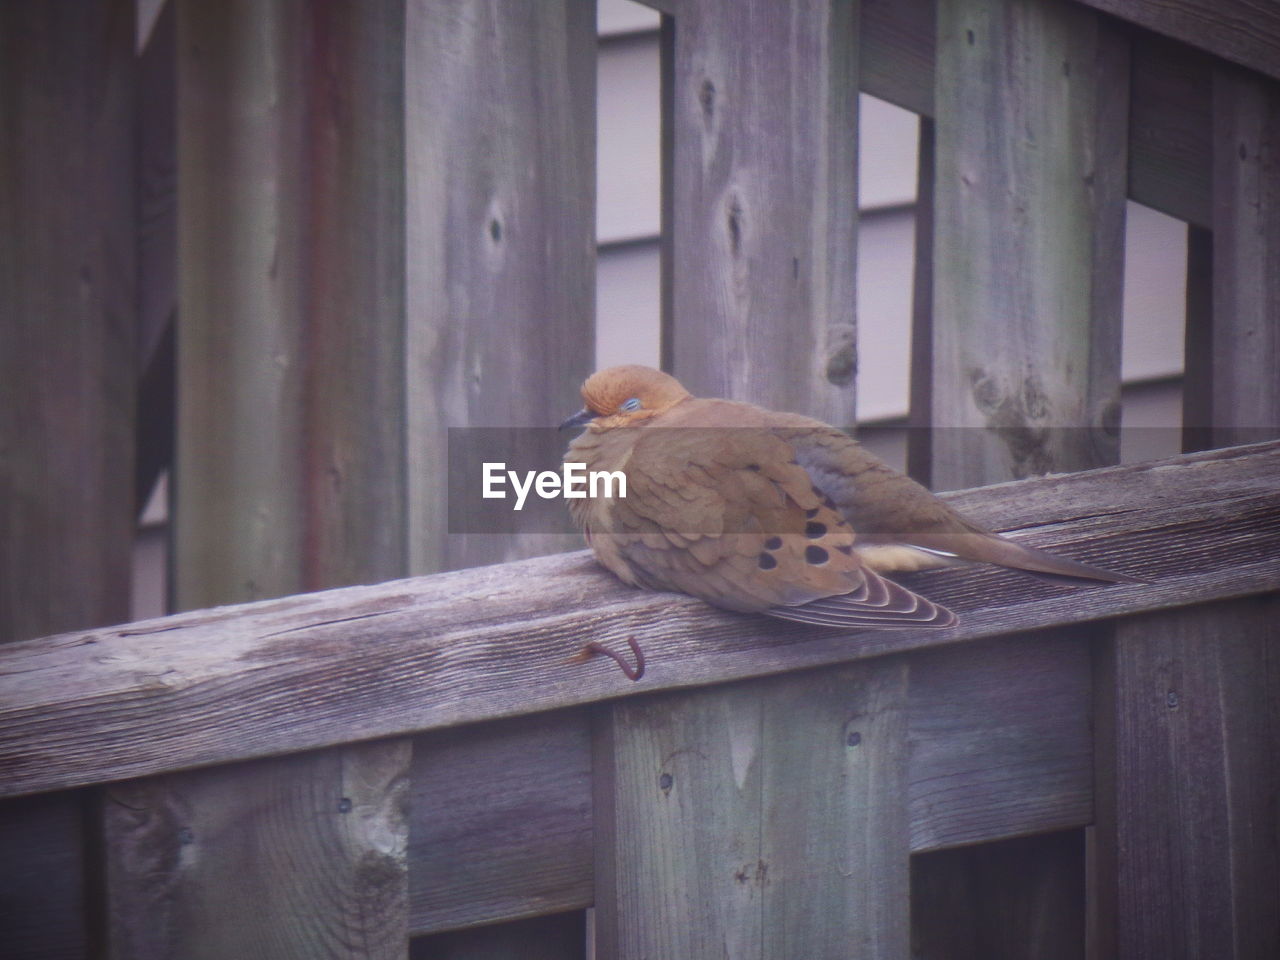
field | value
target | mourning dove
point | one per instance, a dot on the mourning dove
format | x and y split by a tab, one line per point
768	512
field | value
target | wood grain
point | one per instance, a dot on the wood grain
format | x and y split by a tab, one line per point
1244	31
1187	819
920	439
291	464
764	203
1171	128
67	372
291	467
501	233
500	813
1001	744
1245	389
1169	131
1197	374
232	683
1028	244
303	857
898	51
500	821
67	380
759	820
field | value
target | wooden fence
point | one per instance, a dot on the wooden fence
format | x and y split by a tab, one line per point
289	242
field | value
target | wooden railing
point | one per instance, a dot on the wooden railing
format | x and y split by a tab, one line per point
533	785
383	214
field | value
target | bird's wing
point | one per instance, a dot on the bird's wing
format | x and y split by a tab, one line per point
728	515
901	525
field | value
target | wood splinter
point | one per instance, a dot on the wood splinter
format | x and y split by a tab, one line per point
592	648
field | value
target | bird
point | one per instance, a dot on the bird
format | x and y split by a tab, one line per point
766	512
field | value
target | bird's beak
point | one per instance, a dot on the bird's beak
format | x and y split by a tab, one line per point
579	419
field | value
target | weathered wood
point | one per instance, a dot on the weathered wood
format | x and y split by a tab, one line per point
501	212
500	822
1028	241
208	686
1197	376
67	287
560	937
1006	901
500	813
291	465
314	867
897	52
1244	31
1000	746
760	820
1245	390
1171	129
1169	133
764	205
1187	818
920	416
67	381
1001	743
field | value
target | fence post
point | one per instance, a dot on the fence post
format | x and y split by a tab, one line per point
1245	391
1186	792
290	471
1028	243
1023	336
67	382
766	819
763	231
500	148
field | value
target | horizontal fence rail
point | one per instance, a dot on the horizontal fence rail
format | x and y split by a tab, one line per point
356	663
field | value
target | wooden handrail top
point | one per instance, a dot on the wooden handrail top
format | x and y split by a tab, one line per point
314	670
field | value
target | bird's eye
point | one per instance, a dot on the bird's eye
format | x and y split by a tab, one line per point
631	404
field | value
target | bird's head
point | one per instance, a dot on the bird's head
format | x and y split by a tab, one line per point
625	396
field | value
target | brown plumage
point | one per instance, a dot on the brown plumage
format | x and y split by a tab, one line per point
769	512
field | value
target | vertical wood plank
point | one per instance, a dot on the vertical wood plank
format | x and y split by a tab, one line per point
501	821
291	467
764	206
501	211
1190	735
898	53
1197	376
1245	392
557	937
302	856
1028	239
67	379
920	418
67	371
291	463
766	819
